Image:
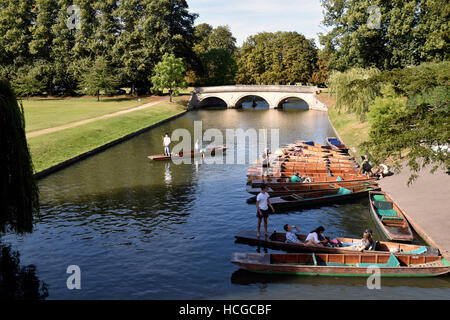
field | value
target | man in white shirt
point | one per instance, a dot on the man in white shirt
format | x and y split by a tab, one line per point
262	206
291	237
166	144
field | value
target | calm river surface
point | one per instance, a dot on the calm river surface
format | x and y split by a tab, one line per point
153	230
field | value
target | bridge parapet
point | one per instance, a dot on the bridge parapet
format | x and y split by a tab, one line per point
258	88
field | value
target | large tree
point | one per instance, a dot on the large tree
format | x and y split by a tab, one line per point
19	198
385	34
276	58
215	48
169	74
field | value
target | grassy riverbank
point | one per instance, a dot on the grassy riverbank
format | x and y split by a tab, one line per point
50	149
350	129
43	113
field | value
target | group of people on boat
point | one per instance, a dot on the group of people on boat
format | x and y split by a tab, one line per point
167	141
296	178
315	237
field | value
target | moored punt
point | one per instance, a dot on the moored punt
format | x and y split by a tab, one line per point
389	217
191	153
301	188
351	264
315	177
270	181
336	144
314	198
277	240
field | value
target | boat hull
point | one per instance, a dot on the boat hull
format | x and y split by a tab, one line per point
263	263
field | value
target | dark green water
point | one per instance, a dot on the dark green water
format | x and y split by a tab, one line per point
153	230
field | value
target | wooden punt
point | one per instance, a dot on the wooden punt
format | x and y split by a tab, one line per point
282	182
315	198
277	241
191	153
301	152
351	264
315	177
301	188
336	144
389	217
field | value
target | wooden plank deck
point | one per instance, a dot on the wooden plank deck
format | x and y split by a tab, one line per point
426	204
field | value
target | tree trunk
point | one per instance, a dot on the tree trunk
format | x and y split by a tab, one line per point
170	94
98	95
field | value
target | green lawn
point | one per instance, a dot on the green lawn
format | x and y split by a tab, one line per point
349	127
50	149
48	113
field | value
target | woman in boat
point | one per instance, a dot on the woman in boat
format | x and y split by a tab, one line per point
262	208
367	242
317	238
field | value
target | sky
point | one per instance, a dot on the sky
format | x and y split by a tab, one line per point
248	17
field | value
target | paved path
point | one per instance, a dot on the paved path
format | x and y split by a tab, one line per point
426	204
106	116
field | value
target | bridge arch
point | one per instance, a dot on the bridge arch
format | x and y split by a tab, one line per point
291	96
212	101
240	99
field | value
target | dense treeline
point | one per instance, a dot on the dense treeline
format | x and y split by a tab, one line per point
408	110
42	49
47	47
277	58
389	65
385	34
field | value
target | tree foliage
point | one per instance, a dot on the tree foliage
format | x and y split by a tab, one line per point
132	35
98	78
409	32
408	111
215	49
169	74
276	58
19	198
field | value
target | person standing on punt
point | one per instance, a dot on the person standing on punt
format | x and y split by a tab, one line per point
166	145
262	207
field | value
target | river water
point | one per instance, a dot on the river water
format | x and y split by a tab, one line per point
152	230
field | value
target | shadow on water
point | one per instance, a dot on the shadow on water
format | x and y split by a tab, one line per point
18	282
244	277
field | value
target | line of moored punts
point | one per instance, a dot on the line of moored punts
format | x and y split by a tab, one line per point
333	176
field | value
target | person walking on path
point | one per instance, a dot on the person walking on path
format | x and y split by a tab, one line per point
262	207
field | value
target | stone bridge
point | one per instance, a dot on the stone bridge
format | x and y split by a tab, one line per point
274	95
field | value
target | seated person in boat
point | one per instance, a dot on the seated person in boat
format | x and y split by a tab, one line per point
296	178
291	237
317	238
366	168
367	242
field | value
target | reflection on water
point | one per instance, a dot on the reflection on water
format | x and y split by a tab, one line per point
141	229
19	282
